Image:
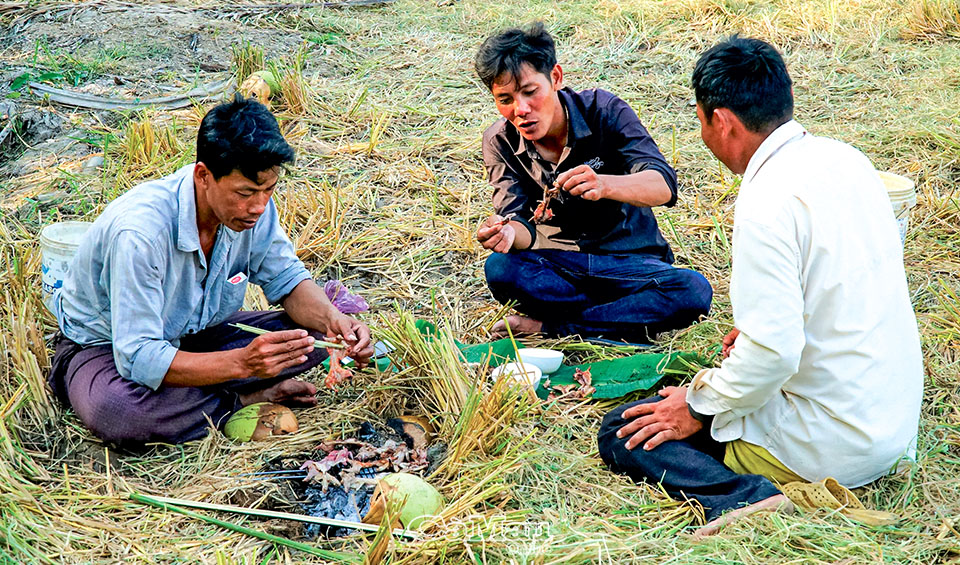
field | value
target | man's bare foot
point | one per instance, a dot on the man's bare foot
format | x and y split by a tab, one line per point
777	503
519	325
289	392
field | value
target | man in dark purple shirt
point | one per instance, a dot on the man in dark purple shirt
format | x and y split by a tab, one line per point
575	175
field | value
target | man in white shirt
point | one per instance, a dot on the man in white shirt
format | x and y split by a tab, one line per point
823	375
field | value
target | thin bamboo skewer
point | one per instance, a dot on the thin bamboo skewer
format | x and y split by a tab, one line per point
168	505
319	344
282	515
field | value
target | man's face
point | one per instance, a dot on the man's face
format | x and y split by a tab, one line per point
713	136
708	130
530	101
236	201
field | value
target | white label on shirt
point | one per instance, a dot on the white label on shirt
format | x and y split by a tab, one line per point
237	278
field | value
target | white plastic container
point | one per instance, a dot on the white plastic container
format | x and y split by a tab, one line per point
58	243
547	360
522	373
903	197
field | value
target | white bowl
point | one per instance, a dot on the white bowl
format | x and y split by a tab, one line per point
521	372
547	360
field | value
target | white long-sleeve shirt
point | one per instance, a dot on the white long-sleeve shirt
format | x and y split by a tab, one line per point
827	373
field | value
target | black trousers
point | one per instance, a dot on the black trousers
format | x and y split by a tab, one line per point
691	468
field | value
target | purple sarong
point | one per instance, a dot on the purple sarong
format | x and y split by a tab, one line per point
121	411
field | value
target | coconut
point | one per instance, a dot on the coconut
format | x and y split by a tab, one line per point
261	420
416	431
420	500
269	78
256	87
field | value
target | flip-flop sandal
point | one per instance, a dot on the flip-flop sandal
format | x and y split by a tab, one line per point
831	495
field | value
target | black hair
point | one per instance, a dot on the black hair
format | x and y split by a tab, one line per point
241	135
508	50
748	77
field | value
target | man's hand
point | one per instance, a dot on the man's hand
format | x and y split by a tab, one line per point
584	182
728	342
657	422
356	334
496	235
269	354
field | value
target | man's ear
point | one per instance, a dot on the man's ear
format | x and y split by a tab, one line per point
201	175
556	77
726	121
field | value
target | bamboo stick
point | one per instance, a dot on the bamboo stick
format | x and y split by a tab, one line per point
326	554
282	515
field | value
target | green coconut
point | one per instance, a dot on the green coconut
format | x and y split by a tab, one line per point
422	500
269	78
261	420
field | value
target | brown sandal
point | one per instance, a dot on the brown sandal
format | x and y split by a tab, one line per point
831	495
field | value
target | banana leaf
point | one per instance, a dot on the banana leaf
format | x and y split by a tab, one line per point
613	378
616	378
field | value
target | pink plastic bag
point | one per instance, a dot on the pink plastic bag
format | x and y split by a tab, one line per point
343	299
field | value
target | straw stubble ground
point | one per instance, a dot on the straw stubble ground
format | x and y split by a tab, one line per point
386	116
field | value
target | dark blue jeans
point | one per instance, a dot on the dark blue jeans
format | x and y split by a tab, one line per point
690	468
630	297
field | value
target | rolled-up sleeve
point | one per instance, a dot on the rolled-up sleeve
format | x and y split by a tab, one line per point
768	309
274	265
508	194
639	151
134	266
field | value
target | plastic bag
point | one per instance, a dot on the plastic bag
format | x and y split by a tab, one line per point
343	299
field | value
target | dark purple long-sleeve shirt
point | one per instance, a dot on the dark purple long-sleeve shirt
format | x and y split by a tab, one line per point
603	132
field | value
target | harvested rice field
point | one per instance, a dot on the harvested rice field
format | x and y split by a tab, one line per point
381	103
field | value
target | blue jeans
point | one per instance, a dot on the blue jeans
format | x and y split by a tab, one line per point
630	297
690	468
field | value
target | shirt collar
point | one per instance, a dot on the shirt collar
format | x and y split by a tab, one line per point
576	124
577	127
188	236
781	136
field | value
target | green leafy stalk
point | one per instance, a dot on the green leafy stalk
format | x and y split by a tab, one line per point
319	344
325	554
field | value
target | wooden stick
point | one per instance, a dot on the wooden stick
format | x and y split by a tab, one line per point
282	515
319	344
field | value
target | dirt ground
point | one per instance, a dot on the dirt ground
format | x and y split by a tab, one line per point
104	50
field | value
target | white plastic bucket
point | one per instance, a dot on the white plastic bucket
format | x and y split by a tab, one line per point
903	197
58	243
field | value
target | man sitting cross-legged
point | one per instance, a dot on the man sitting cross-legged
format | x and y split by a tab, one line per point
575	177
823	377
146	351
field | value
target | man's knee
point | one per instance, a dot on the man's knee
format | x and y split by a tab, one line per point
607	440
131	415
504	275
500	269
115	417
610	447
693	294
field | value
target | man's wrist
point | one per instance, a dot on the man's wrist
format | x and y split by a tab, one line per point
605	188
327	316
237	364
705	419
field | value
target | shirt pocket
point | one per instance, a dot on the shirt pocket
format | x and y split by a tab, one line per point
233	292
